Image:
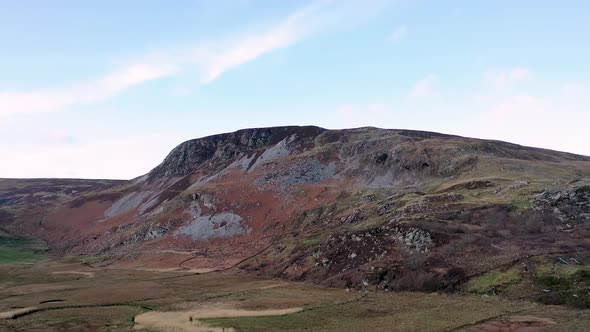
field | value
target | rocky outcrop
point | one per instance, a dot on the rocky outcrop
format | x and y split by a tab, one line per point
189	155
569	205
212	226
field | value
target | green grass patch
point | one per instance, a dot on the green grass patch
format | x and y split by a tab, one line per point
312	241
571	272
562	284
521	204
576	272
494	280
16	250
562	276
379	312
99	318
297	321
572	298
371	223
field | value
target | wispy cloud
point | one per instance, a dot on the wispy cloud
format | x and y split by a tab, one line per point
550	121
115	158
247	48
525	105
424	87
503	78
214	60
211	59
102	88
400	33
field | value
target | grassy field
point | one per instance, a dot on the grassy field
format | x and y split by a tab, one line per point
491	281
119	318
17	250
378	311
109	299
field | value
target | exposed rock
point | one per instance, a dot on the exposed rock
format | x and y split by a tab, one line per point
207	227
189	155
414	239
343	252
155	231
300	171
572	204
381	157
518	185
127	202
355	217
146	232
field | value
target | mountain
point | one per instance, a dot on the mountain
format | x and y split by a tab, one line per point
346	208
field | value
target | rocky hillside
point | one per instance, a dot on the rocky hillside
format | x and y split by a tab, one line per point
362	207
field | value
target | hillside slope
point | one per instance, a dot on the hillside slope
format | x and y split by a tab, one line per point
347	208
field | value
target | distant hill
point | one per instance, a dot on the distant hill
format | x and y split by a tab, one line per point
394	209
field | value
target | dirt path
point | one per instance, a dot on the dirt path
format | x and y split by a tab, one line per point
176	269
84	273
16	313
189	320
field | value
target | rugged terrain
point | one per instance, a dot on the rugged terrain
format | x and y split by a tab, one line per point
362	208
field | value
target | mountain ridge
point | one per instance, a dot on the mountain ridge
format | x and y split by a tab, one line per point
324	206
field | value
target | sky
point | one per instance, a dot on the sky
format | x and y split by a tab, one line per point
105	89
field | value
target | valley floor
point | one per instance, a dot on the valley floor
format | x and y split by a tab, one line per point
69	294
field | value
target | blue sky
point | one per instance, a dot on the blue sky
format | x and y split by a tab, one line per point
105	89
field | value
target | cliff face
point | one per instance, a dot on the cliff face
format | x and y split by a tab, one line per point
188	156
329	206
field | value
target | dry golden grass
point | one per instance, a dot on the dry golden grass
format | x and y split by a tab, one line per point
112	299
191	320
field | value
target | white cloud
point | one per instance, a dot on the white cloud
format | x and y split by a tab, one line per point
504	78
524	105
214	60
116	158
211	59
553	120
248	48
102	88
535	121
424	87
399	34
